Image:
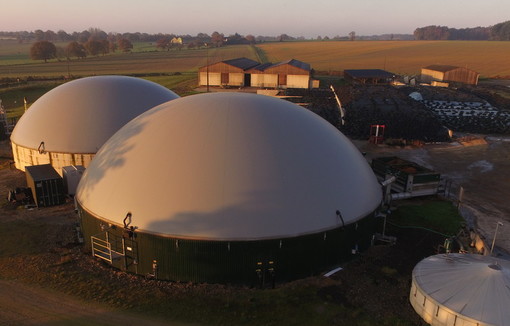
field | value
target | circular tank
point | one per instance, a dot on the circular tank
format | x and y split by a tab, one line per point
218	184
462	289
68	125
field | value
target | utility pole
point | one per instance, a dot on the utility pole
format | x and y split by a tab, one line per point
495	234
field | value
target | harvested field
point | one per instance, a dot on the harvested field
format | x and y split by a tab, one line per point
400	57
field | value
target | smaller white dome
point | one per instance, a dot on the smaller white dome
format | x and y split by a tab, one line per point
472	289
81	115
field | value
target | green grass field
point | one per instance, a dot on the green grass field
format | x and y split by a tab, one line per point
144	59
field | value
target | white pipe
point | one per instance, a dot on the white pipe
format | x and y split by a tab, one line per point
328	274
388	181
401	195
342	112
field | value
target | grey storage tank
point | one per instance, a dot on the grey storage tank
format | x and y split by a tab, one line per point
46	184
71	175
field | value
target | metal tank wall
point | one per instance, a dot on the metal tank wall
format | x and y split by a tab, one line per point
235	262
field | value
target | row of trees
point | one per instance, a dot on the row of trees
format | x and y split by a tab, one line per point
45	50
498	32
215	39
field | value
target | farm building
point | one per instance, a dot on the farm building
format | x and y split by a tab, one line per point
227	73
288	74
462	289
444	73
68	125
245	72
226	202
369	76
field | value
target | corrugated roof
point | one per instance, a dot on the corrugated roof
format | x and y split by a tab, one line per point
42	172
442	68
369	73
263	66
242	63
293	62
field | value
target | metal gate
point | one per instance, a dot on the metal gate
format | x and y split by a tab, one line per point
116	250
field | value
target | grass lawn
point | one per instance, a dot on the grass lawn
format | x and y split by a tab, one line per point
435	215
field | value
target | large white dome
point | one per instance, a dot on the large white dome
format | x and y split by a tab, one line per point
81	115
229	166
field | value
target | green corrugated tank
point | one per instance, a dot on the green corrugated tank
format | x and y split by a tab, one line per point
227	188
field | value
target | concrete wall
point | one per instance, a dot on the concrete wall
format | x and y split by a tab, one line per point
24	157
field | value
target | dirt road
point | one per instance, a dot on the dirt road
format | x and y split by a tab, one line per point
30	305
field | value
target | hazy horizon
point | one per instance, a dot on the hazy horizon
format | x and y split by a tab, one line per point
263	17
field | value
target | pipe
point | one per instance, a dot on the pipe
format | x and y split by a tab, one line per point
401	195
388	181
338	214
128	215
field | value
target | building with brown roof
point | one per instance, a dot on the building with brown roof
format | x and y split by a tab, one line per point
245	72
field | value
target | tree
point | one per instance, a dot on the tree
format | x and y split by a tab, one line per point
112	46
63	36
97	34
163	43
83	36
50	35
43	50
501	31
94	47
75	49
217	39
39	35
250	38
125	45
284	37
352	36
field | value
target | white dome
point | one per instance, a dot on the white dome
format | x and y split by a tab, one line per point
472	289
81	115
229	166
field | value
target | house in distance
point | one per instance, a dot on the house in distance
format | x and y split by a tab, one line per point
244	72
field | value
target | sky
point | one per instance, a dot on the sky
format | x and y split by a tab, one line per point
308	18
